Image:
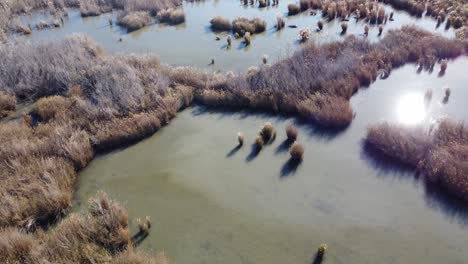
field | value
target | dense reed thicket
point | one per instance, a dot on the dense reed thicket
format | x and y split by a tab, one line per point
101	235
452	12
441	155
317	81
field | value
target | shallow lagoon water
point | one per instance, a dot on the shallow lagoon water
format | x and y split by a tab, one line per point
193	42
211	203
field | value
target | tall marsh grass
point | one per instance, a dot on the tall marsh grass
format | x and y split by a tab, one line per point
440	155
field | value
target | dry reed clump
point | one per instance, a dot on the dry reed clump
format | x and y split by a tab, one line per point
134	20
439	155
99	235
242	25
320	24
304	34
344	27
7	103
259	142
247	38
303	4
293	9
296	151
220	24
267	132
291	133
280	23
171	16
240	138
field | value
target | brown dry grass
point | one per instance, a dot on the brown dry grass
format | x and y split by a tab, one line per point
171	16
242	25
7	103
134	20
100	235
440	155
220	24
296	151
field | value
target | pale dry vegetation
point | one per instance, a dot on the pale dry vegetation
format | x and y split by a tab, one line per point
453	12
171	16
134	20
242	25
100	235
441	154
7	103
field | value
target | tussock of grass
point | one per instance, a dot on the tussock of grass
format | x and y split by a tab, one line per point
320	24
304	34
267	132
220	24
304	5
280	23
240	138
291	133
134	20
171	16
259	142
344	27
7	103
242	25
296	151
247	38
293	9
441	155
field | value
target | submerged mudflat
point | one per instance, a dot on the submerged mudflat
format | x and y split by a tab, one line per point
213	203
193	43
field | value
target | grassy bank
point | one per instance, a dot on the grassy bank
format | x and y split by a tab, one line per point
440	155
100	235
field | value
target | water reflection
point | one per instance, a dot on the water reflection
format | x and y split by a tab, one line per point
411	109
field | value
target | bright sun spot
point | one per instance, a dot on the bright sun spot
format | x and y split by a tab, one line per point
411	109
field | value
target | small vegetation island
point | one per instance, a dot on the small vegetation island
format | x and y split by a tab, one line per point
67	100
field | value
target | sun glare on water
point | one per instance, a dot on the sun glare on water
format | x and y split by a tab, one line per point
411	109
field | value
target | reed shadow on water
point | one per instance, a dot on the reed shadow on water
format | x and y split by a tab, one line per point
233	151
283	147
290	167
255	150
